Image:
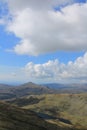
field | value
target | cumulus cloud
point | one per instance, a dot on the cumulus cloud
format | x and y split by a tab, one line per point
51	71
17	5
42	29
56	71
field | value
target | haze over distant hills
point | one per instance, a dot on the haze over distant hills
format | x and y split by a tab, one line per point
30	88
68	88
9	91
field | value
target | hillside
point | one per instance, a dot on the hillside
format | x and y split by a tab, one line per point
14	118
63	109
23	90
9	92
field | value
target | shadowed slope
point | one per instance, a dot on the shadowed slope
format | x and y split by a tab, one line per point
66	108
14	118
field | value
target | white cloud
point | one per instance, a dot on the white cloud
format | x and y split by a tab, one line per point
44	30
17	5
55	71
51	71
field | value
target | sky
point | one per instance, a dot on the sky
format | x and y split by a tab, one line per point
43	41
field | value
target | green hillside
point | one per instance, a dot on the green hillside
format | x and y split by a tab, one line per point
14	118
63	109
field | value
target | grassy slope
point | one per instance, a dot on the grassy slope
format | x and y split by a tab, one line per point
71	107
14	118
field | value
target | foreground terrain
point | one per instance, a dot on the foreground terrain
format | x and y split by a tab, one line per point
62	109
14	118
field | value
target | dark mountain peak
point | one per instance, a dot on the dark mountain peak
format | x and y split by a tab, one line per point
24	90
29	83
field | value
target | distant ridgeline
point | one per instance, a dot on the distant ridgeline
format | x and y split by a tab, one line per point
8	91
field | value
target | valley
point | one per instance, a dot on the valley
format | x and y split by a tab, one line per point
60	111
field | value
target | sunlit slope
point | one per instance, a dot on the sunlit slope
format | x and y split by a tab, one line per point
14	118
69	107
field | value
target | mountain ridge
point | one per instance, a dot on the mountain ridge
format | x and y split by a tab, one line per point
23	90
8	91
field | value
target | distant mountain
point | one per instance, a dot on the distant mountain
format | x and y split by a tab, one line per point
8	91
55	85
23	90
67	88
3	86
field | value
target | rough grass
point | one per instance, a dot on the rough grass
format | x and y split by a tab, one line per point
72	107
14	118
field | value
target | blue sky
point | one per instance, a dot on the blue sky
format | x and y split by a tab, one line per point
40	44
